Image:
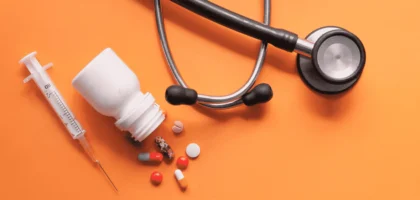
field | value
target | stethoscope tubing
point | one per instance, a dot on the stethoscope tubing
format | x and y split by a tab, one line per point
279	38
221	102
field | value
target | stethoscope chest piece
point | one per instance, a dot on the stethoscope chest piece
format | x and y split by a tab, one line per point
336	63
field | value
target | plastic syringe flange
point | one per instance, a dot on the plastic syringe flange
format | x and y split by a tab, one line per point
33	65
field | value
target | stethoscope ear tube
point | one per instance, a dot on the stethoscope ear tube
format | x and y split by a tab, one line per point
179	95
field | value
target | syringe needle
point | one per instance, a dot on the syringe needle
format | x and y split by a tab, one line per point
103	170
86	146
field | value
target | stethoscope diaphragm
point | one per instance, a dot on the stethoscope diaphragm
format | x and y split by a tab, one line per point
337	61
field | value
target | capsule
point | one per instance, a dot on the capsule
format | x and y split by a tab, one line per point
182	182
164	147
150	157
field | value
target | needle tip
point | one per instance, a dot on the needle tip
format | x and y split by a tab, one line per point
109	179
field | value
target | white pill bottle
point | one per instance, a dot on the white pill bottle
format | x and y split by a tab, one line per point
112	89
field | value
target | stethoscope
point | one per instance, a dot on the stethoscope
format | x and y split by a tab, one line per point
330	59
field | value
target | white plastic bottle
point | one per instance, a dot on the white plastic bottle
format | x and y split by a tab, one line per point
112	89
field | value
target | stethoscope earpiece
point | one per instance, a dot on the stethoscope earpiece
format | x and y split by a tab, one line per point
178	95
261	93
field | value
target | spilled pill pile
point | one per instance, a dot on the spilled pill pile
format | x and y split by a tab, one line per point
164	150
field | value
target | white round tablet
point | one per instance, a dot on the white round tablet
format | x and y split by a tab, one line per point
193	150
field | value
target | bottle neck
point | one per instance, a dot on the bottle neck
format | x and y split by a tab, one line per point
130	105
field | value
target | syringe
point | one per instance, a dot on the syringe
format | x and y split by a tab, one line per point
55	99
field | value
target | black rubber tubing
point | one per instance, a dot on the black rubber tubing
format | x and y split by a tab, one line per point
280	38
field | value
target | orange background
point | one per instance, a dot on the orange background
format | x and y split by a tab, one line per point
300	146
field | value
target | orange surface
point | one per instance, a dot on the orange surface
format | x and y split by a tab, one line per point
300	146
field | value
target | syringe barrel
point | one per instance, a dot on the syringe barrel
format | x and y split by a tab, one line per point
52	95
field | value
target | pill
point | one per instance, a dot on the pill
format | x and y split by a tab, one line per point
193	150
150	157
164	147
182	162
181	179
156	178
178	127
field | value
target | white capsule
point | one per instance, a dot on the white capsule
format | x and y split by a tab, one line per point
178	127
